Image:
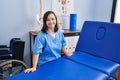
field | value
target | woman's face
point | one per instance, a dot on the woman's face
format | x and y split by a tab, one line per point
51	21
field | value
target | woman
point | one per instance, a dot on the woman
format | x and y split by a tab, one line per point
49	43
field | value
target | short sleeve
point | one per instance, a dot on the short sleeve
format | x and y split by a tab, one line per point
39	43
63	39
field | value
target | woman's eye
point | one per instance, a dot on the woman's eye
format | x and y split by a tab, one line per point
50	19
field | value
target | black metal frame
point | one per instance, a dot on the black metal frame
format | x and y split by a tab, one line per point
113	10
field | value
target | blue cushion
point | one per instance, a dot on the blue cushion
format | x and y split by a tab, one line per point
106	66
61	69
101	39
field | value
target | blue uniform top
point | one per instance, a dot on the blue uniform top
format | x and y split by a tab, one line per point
48	47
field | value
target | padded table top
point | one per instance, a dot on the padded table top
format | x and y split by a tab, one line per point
61	69
101	64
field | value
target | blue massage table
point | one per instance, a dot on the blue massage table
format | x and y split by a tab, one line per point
96	57
61	69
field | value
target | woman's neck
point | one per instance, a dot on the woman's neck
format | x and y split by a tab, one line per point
51	31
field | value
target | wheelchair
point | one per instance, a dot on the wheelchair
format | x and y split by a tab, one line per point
11	67
11	58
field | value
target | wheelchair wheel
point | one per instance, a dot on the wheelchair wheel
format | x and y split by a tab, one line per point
11	67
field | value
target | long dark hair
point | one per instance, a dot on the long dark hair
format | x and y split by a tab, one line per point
45	27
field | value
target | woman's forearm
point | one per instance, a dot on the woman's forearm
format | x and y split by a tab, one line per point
35	60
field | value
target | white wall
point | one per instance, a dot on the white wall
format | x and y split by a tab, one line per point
17	17
98	10
103	10
117	12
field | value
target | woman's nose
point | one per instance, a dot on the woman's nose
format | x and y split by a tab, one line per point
51	21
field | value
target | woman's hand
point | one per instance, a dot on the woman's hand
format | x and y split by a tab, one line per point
30	70
69	54
34	61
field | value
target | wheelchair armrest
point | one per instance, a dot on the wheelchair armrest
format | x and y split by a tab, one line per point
4	51
3	46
